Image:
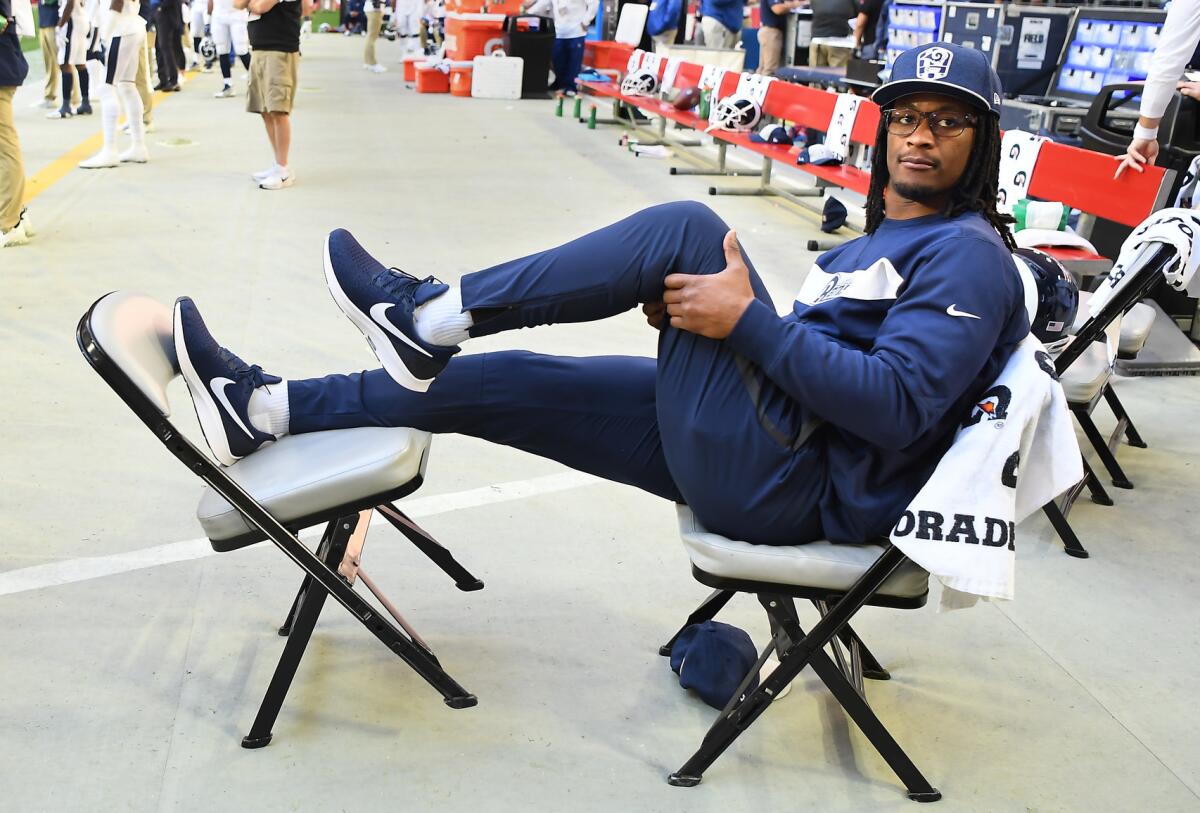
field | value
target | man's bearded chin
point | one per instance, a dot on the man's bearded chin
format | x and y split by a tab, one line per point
916	192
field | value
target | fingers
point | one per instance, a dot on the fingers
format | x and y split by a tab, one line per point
672	295
676	280
1131	160
733	251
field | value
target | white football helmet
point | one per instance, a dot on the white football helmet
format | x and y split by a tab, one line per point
641	82
739	114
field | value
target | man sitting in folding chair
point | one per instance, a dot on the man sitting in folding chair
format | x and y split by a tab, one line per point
822	424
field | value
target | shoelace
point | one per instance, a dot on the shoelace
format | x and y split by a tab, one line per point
401	283
241	370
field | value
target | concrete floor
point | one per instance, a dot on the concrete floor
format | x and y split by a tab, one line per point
131	691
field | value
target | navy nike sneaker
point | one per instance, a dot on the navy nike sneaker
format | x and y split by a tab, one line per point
380	302
221	384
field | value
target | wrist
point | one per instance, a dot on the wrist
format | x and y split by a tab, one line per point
1145	133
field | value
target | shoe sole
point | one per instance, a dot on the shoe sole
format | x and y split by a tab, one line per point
100	166
276	188
380	344
206	408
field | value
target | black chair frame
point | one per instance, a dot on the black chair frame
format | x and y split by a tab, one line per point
796	649
320	568
1148	267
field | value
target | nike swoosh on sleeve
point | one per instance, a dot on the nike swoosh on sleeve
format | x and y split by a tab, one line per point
954	311
379	316
218	385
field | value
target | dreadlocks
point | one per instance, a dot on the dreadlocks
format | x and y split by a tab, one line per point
974	192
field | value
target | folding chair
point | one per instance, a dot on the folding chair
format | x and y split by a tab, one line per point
839	580
1084	369
332	478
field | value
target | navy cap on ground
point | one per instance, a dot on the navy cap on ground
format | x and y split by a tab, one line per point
945	68
711	659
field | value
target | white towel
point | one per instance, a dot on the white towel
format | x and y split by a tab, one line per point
1176	227
1014	453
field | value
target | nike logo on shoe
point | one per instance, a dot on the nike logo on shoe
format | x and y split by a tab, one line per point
379	316
218	385
954	311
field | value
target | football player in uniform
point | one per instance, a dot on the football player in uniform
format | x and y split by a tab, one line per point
124	34
74	34
230	29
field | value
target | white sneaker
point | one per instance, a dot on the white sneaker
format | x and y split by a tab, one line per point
146	128
59	114
224	93
101	160
277	181
376	68
259	177
45	104
27	223
135	155
18	235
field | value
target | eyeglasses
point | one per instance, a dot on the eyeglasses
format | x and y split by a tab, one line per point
942	123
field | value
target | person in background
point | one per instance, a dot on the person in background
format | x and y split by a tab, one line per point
721	22
770	32
14	226
865	24
571	21
231	35
374	12
1176	45
73	36
830	19
662	21
274	73
124	34
168	20
48	37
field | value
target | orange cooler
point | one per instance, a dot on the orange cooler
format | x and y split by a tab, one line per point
460	80
472	35
410	66
431	80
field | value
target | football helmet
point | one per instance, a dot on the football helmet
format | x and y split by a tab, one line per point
208	49
641	82
1051	296
739	114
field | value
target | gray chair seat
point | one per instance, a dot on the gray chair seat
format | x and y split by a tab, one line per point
820	564
303	475
1084	379
1135	325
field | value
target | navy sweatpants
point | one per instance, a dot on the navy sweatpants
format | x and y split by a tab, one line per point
567	60
698	424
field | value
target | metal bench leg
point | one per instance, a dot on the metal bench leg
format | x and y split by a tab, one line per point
719	169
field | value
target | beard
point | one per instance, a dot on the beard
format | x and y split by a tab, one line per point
916	192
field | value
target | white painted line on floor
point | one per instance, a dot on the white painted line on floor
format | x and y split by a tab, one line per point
55	574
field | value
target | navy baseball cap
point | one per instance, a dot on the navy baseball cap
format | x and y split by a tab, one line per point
947	69
712	659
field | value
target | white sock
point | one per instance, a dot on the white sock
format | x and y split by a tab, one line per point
110	111
269	409
133	112
442	320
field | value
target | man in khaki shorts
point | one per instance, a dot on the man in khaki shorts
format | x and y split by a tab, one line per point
275	44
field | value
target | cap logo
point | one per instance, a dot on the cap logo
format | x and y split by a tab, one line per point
934	63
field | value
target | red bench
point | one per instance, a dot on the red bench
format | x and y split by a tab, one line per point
1079	178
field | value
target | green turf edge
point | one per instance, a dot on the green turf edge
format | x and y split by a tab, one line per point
29	44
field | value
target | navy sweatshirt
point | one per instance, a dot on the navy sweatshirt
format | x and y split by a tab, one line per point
892	338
